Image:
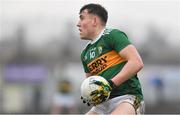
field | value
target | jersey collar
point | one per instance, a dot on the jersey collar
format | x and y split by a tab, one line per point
99	36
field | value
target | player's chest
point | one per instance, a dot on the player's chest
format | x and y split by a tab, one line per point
94	51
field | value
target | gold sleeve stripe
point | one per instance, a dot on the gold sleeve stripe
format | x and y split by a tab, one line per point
104	62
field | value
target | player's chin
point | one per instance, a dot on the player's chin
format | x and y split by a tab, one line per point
83	37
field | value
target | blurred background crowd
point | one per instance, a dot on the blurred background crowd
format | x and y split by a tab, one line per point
40	67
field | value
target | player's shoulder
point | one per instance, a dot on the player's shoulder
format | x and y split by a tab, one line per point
112	31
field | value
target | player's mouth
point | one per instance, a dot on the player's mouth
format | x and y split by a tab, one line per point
80	31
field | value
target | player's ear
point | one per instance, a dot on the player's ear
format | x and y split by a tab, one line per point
94	20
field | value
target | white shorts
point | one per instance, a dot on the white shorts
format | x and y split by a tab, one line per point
108	106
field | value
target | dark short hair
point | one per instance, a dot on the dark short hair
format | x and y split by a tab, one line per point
96	9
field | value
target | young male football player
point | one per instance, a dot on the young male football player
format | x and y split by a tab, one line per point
111	55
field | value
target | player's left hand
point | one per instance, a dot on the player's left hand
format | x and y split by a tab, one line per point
84	101
102	94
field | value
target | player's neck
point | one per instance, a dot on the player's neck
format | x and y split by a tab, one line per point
97	32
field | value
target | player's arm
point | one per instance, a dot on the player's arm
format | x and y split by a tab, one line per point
134	64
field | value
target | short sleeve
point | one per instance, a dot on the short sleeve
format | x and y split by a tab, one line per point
119	40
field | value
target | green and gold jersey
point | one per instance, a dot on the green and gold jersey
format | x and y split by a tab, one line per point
102	58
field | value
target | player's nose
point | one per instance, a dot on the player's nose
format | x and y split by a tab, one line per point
78	24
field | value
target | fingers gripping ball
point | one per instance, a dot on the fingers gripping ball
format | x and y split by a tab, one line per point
95	90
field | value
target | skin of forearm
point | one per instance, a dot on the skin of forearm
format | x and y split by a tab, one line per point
130	68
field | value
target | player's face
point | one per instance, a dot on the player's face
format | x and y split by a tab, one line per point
85	25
